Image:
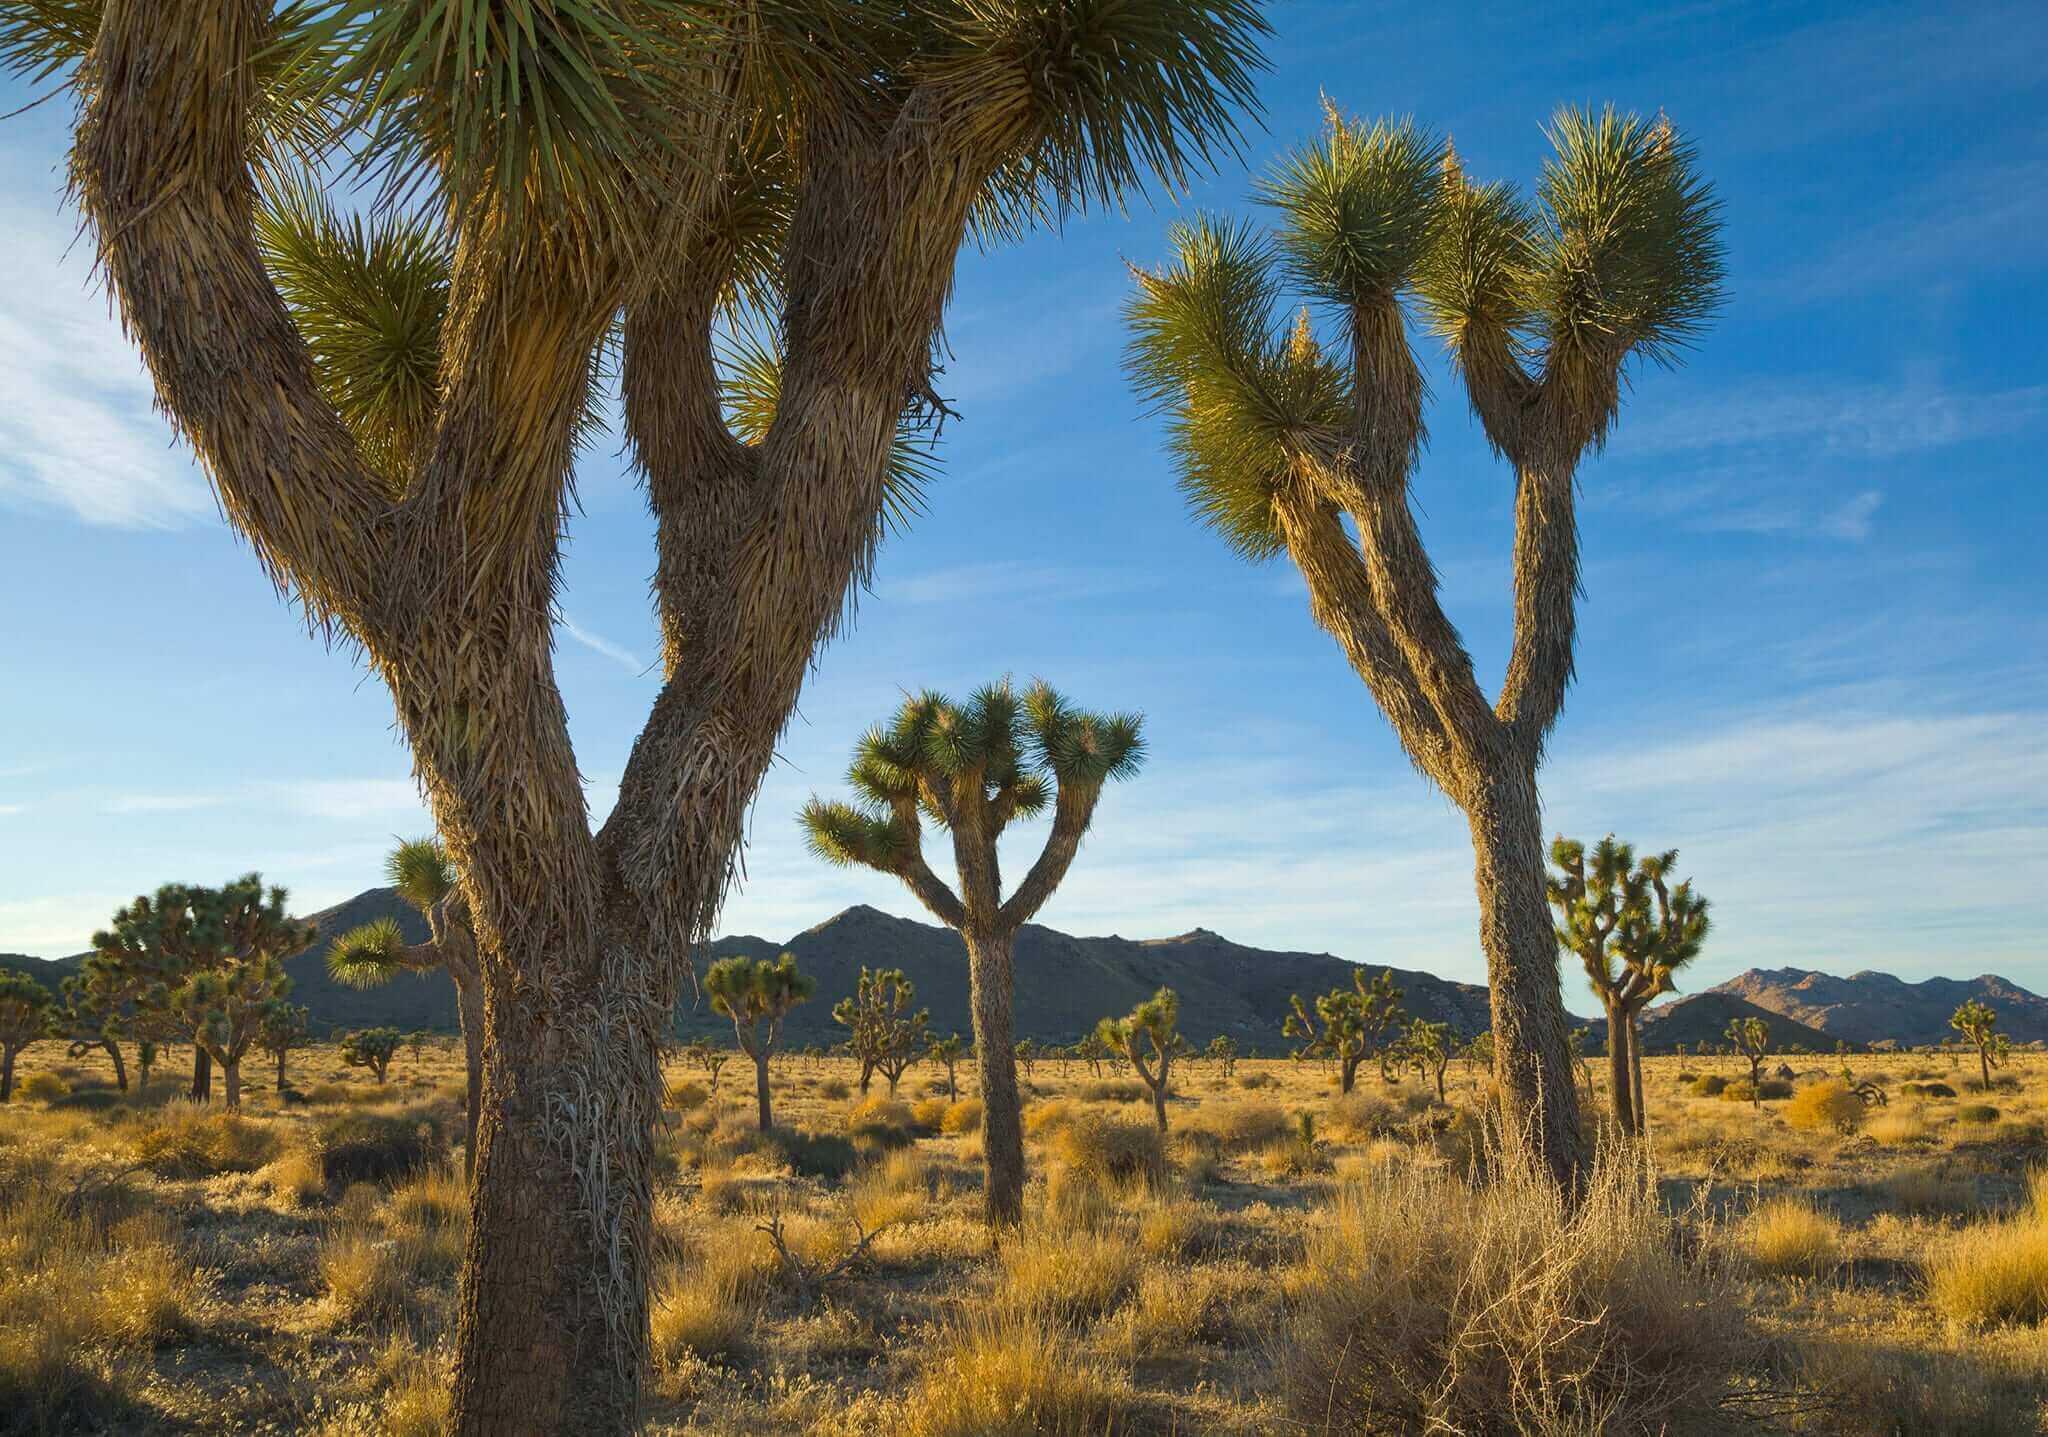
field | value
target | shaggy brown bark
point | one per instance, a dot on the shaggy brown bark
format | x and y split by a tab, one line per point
991	981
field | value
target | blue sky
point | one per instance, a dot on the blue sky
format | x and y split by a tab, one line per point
1811	646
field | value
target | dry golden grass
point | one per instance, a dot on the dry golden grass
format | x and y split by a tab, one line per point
1150	1293
1789	1235
1995	1273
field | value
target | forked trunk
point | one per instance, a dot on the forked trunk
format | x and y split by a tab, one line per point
1532	1059
1159	1103
761	1090
1620	1082
991	979
202	1075
120	1064
1348	1073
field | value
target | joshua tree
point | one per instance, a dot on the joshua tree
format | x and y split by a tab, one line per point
25	1008
285	1027
157	946
425	877
1348	1025
710	1057
754	994
371	1048
946	1051
1977	1022
1281	441
1479	1050
1430	1046
886	1036
972	768
225	1010
389	413
1153	1024
1222	1051
1611	908
87	1017
1027	1056
1751	1038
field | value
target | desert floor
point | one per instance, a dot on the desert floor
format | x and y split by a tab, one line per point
1811	1264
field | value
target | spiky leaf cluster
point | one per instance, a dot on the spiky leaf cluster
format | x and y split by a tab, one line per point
884	1032
25	1009
371	1048
1611	906
285	1026
225	1008
1148	1034
753	991
1348	1024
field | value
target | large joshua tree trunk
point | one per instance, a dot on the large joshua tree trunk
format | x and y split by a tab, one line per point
202	1075
120	1064
1532	1050
1620	1077
232	1074
991	979
763	1111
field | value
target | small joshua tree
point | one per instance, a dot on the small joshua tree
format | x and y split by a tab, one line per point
85	1020
1348	1025
1222	1051
1479	1051
709	1057
285	1026
757	995
887	1037
1977	1022
1027	1057
1611	908
946	1052
972	769
1155	1025
1430	1046
1751	1039
425	877
25	1009
1091	1051
371	1048
225	1009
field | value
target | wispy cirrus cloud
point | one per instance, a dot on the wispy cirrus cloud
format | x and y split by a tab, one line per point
1009	578
79	433
1831	418
599	644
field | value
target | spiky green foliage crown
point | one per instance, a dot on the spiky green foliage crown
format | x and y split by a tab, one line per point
1619	256
1975	1020
995	749
1751	1036
881	1027
25	1007
1346	1022
747	990
1154	1022
1611	906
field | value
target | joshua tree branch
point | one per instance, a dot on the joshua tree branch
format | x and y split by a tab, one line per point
1072	812
1546	604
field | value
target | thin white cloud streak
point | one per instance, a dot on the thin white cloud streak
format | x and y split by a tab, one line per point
1831	418
625	658
1007	579
9	810
132	803
79	433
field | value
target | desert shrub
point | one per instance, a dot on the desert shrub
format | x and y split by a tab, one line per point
1042	1120
1426	1304
1173	1229
1359	1117
42	1087
1927	1090
1252	1082
87	1100
1010	1376
329	1093
296	1179
1976	1113
878	1112
705	1307
687	1095
1992	1274
1829	1104
1769	1090
1712	1085
433	1200
835	1090
1929	1190
817	1155
962	1117
383	1148
186	1140
1111	1090
376	1279
928	1113
1238	1126
1111	1151
1896	1125
1788	1235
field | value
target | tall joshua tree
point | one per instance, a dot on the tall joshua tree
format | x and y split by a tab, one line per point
157	945
1281	440
753	994
1348	1025
424	876
972	769
1613	910
226	1009
25	1007
389	413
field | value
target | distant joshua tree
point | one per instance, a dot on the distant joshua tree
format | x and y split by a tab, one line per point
1290	446
1977	1022
285	1027
886	1035
1149	1040
1348	1025
972	769
372	1048
946	1052
708	1057
1429	1046
757	995
1611	907
25	1007
1751	1038
1222	1051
